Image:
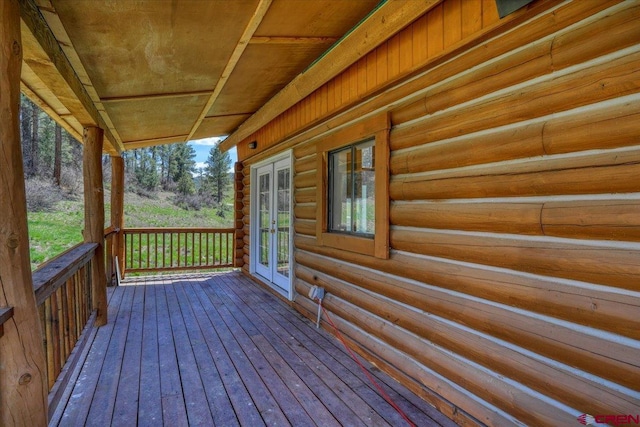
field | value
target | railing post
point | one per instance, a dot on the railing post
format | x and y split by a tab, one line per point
23	390
108	249
94	217
117	208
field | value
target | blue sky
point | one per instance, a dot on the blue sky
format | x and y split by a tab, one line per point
203	146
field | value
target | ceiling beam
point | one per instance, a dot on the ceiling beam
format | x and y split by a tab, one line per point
38	27
252	26
292	40
384	22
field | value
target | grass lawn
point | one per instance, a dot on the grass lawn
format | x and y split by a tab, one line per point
51	233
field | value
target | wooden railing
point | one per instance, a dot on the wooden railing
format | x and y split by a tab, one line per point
6	313
164	249
63	294
110	253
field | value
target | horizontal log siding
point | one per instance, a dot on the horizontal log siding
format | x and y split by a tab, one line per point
367	84
512	293
409	50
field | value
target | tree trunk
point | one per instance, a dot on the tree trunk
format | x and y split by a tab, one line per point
57	157
34	149
25	125
23	390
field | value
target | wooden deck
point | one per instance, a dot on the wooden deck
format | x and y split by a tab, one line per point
206	350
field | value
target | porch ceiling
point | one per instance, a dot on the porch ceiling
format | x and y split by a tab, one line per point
156	71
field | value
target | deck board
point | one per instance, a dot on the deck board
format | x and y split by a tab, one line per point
127	396
220	350
149	412
174	411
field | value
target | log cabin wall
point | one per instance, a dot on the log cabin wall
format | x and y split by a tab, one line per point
512	291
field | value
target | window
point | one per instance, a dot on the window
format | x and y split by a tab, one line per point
353	188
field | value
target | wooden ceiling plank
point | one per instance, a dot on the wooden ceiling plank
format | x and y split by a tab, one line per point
59	118
292	40
37	25
131	145
58	30
217	116
154	96
254	22
391	17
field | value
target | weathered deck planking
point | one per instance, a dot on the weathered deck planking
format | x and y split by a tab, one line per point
335	383
295	334
220	350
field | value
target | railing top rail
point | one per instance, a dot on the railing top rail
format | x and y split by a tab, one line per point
6	313
178	230
55	272
110	230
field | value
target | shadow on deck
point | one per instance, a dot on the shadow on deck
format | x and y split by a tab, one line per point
217	349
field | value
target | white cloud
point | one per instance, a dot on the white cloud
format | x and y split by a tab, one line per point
206	141
200	165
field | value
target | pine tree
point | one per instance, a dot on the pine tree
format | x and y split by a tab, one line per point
216	175
147	170
181	166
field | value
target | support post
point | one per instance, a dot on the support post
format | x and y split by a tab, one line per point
117	208
23	389
94	217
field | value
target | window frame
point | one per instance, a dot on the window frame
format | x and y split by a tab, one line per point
377	128
330	179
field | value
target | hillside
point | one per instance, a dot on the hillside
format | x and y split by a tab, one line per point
50	233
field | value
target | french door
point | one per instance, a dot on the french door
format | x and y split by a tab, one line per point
272	224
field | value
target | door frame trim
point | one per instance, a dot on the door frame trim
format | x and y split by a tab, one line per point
286	155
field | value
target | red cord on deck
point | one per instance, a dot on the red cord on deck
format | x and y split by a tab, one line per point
366	372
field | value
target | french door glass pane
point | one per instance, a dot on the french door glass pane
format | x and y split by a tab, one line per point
263	209
283	219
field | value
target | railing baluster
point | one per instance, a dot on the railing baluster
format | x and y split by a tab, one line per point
71	302
148	254
139	250
64	321
59	331
129	256
51	347
206	239
220	247
193	249
179	249
164	250
42	309
155	241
